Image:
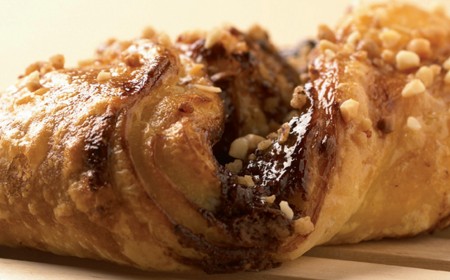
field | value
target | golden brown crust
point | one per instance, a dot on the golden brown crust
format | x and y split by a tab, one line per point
129	158
125	133
66	154
412	154
390	178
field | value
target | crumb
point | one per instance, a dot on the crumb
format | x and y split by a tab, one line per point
208	88
406	60
413	124
426	75
420	46
286	209
283	133
413	88
235	166
269	199
349	109
103	76
57	61
246	180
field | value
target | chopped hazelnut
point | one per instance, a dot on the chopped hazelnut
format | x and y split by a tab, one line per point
133	60
272	136
239	148
389	38
253	140
148	33
298	98
103	76
326	33
447	78
33	86
329	55
32	81
413	124
406	60
304	226
413	88
327	45
388	56
24	99
370	47
286	209
57	61
46	68
32	67
446	64
420	46
436	69
426	75
269	199
258	33
263	145
208	88
41	91
246	180
349	109
234	166
353	38
283	133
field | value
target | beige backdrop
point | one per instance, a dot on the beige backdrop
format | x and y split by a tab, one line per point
35	30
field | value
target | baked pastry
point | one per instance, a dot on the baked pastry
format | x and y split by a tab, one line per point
154	154
98	161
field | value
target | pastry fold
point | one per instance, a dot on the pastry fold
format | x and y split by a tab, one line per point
155	155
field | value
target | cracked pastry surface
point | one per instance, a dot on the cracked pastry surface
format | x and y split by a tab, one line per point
216	153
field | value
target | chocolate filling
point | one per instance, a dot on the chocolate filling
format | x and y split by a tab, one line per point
282	170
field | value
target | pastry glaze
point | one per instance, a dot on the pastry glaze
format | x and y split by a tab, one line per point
122	158
389	180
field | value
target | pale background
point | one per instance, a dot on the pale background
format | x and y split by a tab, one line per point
35	30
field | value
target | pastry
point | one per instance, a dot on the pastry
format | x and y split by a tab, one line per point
217	153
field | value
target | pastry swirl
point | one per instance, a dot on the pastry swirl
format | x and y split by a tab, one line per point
155	155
